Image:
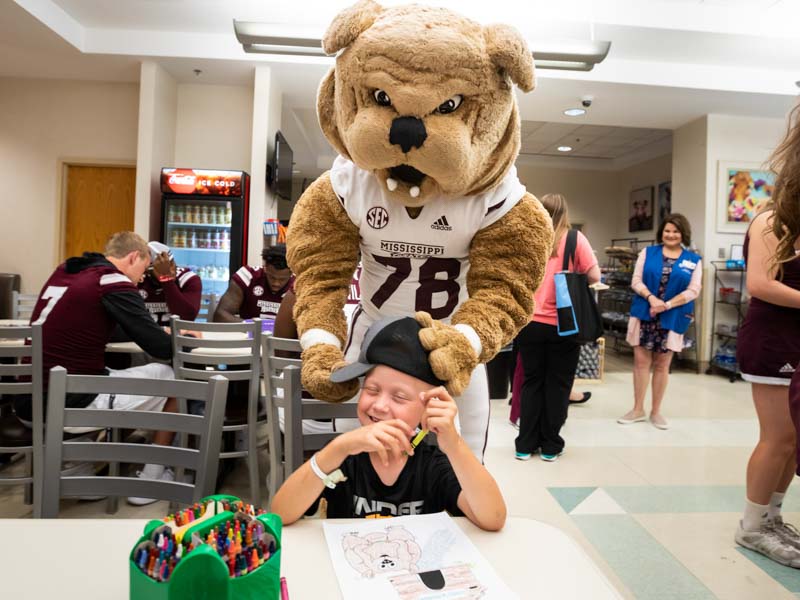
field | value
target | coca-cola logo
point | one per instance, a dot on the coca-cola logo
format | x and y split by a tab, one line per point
182	182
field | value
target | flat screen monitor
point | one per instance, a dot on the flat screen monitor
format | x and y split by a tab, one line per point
282	168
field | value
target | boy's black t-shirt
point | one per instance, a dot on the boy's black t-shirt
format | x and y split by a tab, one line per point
427	484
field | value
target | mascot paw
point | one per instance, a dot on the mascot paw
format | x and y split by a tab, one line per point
317	364
452	357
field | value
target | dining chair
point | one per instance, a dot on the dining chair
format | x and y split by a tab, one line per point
283	390
203	461
202	350
20	359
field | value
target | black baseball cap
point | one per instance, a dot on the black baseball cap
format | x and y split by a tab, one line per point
392	342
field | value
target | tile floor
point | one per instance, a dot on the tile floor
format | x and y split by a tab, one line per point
655	509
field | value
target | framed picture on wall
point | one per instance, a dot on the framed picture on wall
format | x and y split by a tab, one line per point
743	188
664	201
640	215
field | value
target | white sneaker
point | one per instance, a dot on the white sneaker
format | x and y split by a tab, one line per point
151	472
769	542
787	531
81	469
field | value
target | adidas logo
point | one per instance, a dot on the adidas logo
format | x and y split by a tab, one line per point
441	224
787	368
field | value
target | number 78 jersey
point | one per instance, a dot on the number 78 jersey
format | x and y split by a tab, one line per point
421	263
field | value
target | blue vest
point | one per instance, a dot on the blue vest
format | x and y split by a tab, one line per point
678	318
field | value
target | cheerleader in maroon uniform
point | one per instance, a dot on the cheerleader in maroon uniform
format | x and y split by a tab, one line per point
768	354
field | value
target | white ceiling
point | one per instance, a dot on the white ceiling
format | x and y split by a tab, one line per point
671	61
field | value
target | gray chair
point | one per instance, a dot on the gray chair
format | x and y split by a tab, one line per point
236	359
284	390
22	305
16	438
208	305
203	461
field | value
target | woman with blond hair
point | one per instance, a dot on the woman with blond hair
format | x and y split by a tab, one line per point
768	351
548	359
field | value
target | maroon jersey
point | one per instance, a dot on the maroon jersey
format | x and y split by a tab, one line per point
178	297
259	299
75	324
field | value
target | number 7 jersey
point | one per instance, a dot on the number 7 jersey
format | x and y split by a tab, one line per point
421	263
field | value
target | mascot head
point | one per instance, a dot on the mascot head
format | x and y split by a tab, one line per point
423	98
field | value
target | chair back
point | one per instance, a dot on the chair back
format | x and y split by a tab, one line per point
203	461
208	305
230	349
18	359
22	305
284	390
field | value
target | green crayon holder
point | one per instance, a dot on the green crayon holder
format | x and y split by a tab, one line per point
203	574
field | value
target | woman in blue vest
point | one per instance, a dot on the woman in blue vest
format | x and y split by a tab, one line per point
666	280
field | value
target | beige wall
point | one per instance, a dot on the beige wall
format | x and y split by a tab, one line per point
649	173
42	123
214	127
598	199
592	197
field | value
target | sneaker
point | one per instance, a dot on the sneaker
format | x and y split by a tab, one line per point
769	542
514	424
659	422
631	417
523	455
550	457
151	472
81	469
787	531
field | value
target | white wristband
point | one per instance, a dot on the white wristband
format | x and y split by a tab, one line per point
329	479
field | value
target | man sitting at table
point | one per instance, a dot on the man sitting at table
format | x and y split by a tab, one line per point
374	471
168	289
256	292
78	307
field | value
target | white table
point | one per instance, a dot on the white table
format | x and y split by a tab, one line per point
13	322
535	559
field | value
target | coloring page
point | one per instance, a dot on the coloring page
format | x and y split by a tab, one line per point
417	557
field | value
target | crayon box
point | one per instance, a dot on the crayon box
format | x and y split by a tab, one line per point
221	549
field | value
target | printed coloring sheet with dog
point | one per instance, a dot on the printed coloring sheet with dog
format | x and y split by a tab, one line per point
417	557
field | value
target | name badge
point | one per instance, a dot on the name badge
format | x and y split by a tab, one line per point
687	264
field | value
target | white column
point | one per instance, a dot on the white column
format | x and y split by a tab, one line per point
158	101
267	101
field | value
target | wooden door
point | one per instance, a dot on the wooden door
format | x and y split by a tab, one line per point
100	202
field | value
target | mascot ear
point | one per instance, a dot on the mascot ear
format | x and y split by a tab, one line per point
326	112
349	24
509	51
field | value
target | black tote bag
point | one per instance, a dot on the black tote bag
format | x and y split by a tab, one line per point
584	314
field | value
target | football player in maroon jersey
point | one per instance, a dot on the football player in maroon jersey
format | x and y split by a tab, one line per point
257	292
78	307
168	289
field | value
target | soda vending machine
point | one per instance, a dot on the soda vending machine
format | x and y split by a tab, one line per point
204	222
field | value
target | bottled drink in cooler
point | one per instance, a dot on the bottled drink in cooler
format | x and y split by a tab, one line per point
198	218
173	239
228	213
203	214
192	239
181	238
209	239
225	240
171	214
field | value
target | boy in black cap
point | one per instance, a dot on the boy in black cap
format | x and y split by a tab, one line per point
374	471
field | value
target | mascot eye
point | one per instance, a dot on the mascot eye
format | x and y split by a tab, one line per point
382	98
450	105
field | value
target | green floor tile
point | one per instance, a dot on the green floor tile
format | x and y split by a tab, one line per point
570	497
687	498
640	561
786	576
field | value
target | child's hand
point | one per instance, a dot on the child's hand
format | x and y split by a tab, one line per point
439	417
385	437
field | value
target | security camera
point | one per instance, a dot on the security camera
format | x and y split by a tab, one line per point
586	101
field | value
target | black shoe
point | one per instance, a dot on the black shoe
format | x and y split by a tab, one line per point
586	396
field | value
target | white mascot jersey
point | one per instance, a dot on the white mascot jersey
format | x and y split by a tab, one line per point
420	264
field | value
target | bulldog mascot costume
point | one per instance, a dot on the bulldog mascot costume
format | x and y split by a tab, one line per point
420	108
